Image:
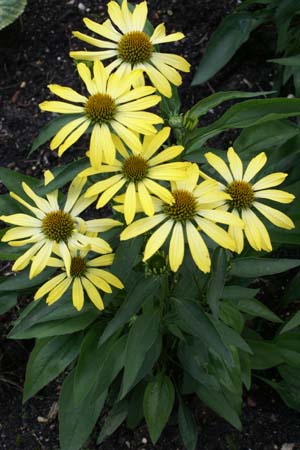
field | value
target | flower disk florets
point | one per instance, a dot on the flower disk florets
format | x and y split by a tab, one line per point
135	168
241	193
135	47
100	108
78	266
184	208
58	226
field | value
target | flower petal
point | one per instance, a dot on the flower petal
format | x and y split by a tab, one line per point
274	179
130	203
40	260
276	195
73	137
93	293
67	93
216	233
141	226
254	166
219	165
276	217
157	239
145	199
58	291
235	164
77	294
176	249
198	248
49	285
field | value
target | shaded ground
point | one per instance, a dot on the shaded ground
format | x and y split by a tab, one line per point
34	53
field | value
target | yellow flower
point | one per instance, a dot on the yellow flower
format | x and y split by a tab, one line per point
51	228
137	171
245	198
191	213
133	48
110	108
85	275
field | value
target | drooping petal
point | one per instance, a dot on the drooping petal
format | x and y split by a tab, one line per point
96	42
77	294
100	76
61	107
98	282
65	131
276	195
237	234
176	61
67	93
40	260
109	193
130	203
49	285
252	233
73	137
176	249
58	291
25	259
145	199
158	190
103	29
153	143
65	254
130	139
108	277
217	215
257	227
158	80
92	293
104	260
157	239
141	226
276	217
86	76
216	233
166	155
198	248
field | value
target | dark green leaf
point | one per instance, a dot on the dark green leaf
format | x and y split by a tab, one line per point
233	31
21	281
287	61
135	406
258	267
137	295
217	280
230	337
294	322
48	359
158	403
230	315
219	403
237	292
288	345
187	426
60	318
8	301
265	355
76	421
210	102
199	325
10	10
114	419
265	136
257	309
142	335
95	364
13	180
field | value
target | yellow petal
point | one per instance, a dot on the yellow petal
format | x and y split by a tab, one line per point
176	61
153	143
139	16
257	227
236	234
96	42
40	260
116	16
73	137
109	193
164	194
61	107
251	231
198	248
217	215
171	74
235	164
130	203
77	294
67	93
219	165
176	249
93	293
49	285
134	94
98	282
104	29
25	259
108	277
276	217
145	199
64	252
107	144
86	76
276	195
166	155
130	139
58	291
216	233
104	260
157	239
274	179
141	226
158	80
254	166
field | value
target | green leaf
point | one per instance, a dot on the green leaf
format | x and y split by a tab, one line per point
257	309
187	426
10	10
236	292
287	61
291	292
290	374
219	403
136	297
288	393
135	406
230	315
294	322
65	175
288	345
265	136
258	267
60	318
50	129
21	281
170	106
98	364
245	363
13	180
158	403
48	359
116	416
76	421
199	325
217	280
243	115
233	31
265	354
7	302
230	337
141	337
210	102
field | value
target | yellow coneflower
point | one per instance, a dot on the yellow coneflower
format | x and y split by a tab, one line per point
246	196
111	107
137	171
192	213
133	48
85	276
51	228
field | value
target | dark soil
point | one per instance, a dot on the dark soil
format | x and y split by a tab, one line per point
34	52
